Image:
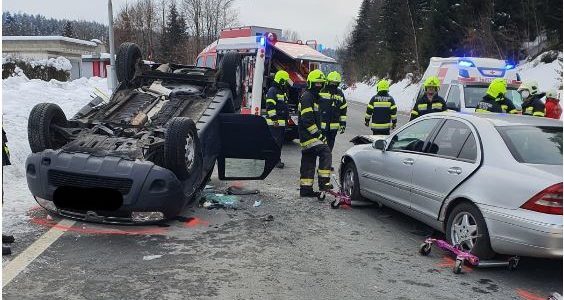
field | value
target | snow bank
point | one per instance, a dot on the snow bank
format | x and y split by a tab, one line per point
19	96
549	76
59	63
403	92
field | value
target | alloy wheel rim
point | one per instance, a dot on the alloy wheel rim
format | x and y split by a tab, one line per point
464	230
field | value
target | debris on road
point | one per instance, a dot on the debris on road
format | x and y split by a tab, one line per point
151	257
268	218
257	203
238	190
213	200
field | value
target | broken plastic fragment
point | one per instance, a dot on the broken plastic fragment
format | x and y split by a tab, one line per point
257	203
151	257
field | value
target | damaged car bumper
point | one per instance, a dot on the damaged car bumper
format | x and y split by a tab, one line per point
103	189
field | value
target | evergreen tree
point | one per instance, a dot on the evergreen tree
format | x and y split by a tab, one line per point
68	30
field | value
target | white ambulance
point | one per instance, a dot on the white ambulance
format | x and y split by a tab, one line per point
262	54
464	80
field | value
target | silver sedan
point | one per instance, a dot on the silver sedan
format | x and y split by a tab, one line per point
491	182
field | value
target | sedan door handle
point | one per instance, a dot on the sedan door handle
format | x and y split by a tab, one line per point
455	171
409	161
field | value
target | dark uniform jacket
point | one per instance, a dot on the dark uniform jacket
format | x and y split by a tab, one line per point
382	111
331	109
423	106
5	151
310	135
501	105
276	106
534	106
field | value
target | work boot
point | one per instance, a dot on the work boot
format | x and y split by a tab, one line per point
6	250
309	193
326	187
8	239
280	165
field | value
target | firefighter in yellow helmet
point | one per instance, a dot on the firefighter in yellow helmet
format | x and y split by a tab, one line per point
532	103
332	109
312	140
431	101
495	100
381	112
277	112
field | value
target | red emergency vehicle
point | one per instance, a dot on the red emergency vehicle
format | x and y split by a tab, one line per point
262	54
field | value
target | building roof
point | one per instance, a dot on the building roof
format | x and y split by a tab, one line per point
48	38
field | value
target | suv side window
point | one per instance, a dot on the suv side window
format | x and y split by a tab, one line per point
413	137
453	99
450	140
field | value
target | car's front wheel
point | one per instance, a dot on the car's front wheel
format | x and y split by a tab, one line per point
349	181
467	228
182	150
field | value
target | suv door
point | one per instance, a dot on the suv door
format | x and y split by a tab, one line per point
452	156
388	173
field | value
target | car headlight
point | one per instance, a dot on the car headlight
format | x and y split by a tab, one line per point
48	205
146	216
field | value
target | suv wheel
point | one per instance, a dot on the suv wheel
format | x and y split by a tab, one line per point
182	151
41	127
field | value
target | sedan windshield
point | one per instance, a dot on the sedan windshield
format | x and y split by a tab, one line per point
473	94
534	145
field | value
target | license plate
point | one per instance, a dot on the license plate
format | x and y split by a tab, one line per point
294	119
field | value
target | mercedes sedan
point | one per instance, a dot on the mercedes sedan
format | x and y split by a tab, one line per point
491	182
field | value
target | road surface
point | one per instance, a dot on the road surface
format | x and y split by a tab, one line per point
287	248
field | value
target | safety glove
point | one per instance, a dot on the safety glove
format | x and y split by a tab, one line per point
342	129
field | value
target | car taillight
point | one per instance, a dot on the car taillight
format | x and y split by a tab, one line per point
549	201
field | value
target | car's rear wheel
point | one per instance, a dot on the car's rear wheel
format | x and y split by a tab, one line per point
230	73
467	228
127	60
349	181
42	125
182	150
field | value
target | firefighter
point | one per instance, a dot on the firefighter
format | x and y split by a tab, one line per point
312	140
332	109
532	104
431	101
6	250
277	108
381	110
495	100
553	109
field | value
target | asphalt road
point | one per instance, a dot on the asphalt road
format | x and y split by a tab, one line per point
287	248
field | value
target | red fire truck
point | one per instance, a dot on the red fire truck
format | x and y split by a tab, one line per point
262	54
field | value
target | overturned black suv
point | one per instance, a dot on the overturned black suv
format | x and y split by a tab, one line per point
142	154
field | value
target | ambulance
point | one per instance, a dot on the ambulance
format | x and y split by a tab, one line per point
464	80
262	53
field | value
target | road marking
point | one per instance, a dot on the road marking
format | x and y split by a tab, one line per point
18	264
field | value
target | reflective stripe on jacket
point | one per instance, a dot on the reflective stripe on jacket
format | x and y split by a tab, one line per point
276	106
332	110
423	106
489	104
381	111
534	106
307	125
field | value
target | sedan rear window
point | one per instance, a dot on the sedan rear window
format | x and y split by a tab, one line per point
534	145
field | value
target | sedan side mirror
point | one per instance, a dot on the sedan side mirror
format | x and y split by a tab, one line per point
379	144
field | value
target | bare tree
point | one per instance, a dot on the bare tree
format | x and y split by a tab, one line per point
290	35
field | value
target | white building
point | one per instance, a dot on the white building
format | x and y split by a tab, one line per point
44	47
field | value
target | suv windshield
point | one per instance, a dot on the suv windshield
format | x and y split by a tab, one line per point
473	94
534	145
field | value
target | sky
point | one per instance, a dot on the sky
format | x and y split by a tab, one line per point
327	21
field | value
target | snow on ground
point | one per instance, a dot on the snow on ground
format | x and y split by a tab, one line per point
19	96
404	93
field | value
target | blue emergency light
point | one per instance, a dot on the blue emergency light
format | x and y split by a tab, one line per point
509	66
466	63
262	41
